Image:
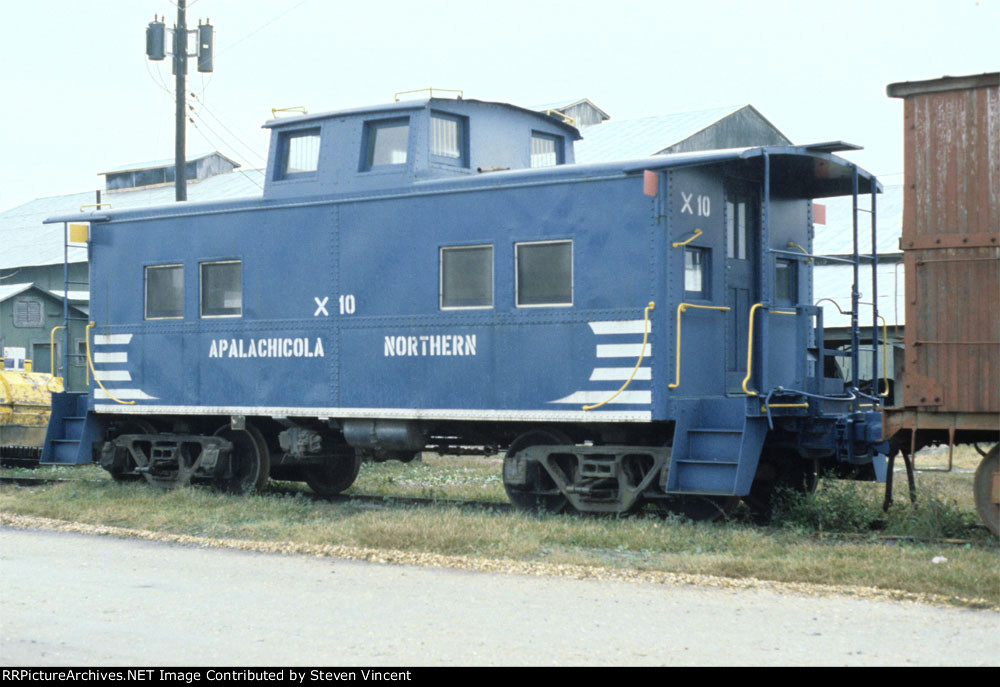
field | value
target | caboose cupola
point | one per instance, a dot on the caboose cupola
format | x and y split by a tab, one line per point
397	145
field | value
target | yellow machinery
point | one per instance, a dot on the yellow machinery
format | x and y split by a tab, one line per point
25	403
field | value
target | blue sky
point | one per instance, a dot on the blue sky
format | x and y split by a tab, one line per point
80	97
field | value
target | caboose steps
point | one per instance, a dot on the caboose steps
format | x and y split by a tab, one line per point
68	438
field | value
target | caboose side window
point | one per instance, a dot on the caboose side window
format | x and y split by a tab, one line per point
544	273
466	277
299	153
165	292
221	289
386	142
546	150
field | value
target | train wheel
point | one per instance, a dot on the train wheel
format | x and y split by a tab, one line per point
699	508
120	471
539	493
333	476
250	460
987	489
777	471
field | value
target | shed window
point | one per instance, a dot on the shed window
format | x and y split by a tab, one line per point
467	277
546	150
165	292
29	312
696	272
300	152
221	289
448	138
544	273
387	142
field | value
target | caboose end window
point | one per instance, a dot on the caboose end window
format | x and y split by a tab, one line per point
221	289
785	282
696	273
544	273
165	292
466	277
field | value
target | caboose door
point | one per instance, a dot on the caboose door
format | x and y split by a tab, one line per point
742	282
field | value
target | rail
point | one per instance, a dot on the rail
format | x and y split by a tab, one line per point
680	309
90	364
753	310
642	352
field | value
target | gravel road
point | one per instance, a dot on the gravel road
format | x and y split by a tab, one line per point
85	600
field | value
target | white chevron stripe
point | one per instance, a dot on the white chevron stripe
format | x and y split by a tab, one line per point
123	395
624	398
624	350
619	327
112	339
110	357
113	375
620	374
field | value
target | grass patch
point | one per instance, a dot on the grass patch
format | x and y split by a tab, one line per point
836	537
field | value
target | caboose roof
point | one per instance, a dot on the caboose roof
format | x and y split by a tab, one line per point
796	171
454	104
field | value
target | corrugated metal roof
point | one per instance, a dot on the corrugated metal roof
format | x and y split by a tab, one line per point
25	241
73	295
835	237
635	138
11	290
835	282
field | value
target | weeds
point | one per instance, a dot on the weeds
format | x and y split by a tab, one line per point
855	508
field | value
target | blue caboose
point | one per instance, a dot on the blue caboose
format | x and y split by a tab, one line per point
439	273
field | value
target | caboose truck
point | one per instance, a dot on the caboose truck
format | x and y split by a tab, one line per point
438	273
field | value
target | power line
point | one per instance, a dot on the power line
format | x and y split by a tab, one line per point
214	144
261	28
223	125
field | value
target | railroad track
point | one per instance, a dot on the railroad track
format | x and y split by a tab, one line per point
500	506
278	490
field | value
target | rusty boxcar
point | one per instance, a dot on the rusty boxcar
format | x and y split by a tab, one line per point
951	254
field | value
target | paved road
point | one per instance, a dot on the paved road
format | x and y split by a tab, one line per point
84	600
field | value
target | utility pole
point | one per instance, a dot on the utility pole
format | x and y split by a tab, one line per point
156	50
180	69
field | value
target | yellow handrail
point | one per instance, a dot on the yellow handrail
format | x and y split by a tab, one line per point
52	356
795	245
94	205
90	363
430	90
297	108
642	352
681	308
697	233
565	117
746	380
765	406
